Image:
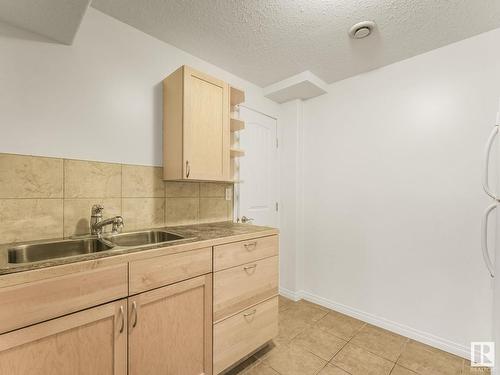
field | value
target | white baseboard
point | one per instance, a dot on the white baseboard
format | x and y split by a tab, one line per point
294	296
401	329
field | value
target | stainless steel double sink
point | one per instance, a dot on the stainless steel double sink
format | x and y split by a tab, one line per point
80	246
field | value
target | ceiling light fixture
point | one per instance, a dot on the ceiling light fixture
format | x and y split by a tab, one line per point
361	29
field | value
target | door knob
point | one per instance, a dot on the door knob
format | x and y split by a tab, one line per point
245	219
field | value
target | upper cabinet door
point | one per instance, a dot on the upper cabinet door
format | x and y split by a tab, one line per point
196	127
206	127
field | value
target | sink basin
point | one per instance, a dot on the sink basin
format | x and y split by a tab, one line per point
143	238
57	249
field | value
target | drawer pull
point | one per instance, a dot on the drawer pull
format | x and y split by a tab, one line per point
122	319
246	268
251	246
250	313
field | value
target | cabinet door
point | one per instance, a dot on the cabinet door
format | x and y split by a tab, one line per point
206	127
170	329
92	341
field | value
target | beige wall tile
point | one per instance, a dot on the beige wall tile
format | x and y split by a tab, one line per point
181	211
214	209
175	189
213	189
89	179
143	213
30	219
77	213
30	177
142	182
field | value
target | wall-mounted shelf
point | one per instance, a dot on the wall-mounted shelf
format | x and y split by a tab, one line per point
235	153
237	96
237	125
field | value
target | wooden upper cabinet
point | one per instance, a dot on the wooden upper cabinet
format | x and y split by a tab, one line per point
196	127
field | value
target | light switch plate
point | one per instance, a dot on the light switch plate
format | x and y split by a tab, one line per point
229	193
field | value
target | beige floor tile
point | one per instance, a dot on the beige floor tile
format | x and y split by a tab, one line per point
289	328
358	361
340	325
284	303
398	370
261	369
332	370
291	360
319	342
312	304
383	343
468	370
426	360
304	312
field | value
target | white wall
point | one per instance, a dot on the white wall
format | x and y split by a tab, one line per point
98	99
392	193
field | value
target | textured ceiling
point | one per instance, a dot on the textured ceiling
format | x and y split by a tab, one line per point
56	19
266	41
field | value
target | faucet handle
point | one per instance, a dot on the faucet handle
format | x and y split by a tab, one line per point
117	225
97	209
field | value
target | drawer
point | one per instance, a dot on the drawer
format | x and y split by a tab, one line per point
243	333
239	287
34	302
237	253
155	272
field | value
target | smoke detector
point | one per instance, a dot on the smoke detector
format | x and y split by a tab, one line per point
361	29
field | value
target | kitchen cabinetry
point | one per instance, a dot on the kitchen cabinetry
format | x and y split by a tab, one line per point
150	312
92	341
170	329
245	298
196	127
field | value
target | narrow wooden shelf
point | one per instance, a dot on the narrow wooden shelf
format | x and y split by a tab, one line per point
237	125
235	153
237	96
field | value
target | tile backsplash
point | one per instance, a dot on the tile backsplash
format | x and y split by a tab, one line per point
44	198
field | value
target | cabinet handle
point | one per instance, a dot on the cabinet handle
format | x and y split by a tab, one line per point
134	311
250	267
250	313
188	169
250	246
122	316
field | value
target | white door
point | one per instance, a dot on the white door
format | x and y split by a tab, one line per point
258	169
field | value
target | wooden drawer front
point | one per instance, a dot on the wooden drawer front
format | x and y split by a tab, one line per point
239	287
241	334
31	303
155	272
234	254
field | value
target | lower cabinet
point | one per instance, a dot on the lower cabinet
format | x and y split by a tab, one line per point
243	333
92	341
170	329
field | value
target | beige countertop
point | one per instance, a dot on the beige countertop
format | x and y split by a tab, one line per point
200	235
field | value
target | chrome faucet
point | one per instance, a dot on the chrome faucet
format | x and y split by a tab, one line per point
97	223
